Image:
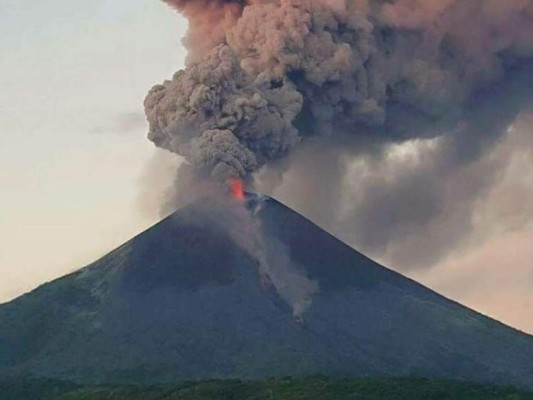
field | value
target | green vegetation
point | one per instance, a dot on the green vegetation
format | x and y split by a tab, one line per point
314	388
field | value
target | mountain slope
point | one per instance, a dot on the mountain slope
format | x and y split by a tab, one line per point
188	299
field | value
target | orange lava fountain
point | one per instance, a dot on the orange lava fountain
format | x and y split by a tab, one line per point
237	188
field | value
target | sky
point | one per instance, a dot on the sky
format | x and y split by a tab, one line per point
73	147
78	176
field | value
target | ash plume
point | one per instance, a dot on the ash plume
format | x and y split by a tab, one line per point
282	70
349	79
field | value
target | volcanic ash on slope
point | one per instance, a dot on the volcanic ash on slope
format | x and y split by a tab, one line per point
238	216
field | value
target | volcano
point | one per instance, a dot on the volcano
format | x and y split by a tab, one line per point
189	299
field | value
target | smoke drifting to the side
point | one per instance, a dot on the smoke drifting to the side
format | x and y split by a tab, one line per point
410	204
372	104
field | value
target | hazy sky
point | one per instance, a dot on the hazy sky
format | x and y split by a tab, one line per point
73	76
73	153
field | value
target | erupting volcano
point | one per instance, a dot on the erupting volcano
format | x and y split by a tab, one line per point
238	285
237	188
225	289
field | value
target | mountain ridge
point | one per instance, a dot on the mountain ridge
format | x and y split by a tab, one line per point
183	300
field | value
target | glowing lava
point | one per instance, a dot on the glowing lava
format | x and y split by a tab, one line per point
237	189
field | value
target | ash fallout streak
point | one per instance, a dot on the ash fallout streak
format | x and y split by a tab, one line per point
236	214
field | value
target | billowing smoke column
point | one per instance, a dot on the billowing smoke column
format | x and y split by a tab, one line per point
378	119
263	75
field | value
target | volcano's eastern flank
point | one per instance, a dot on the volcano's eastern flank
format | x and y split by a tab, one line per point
190	298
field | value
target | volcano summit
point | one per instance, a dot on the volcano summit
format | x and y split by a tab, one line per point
247	291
